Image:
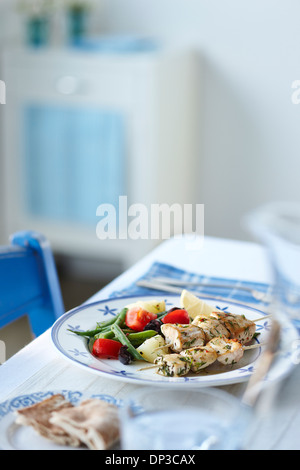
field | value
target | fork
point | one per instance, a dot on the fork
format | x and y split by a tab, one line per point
173	285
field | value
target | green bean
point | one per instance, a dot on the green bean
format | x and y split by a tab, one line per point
103	326
91	344
120	320
109	334
120	335
105	334
106	323
161	315
89	333
137	339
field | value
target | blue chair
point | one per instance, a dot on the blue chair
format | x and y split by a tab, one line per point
28	282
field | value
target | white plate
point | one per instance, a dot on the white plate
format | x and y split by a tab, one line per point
17	437
75	348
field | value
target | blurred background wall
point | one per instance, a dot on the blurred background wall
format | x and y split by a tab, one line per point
250	151
249	128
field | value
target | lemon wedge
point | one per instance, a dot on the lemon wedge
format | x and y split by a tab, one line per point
195	306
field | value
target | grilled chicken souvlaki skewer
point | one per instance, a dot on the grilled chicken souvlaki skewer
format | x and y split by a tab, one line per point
204	328
221	349
232	326
217	336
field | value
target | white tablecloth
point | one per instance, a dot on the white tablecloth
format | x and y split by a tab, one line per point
38	367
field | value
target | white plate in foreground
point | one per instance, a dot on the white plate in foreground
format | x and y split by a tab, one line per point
75	348
16	437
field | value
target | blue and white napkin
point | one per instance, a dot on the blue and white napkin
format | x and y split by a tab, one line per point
234	292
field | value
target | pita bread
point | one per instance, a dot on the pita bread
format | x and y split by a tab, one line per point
38	416
94	422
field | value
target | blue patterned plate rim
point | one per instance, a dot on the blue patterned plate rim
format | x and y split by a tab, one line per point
83	358
74	396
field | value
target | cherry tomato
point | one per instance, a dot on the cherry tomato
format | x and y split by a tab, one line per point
177	316
106	348
137	318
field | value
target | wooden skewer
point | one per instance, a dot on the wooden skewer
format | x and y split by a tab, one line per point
261	318
254	391
149	367
162	347
245	348
254	321
253	346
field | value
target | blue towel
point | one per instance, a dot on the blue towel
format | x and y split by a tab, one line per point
73	161
166	270
117	44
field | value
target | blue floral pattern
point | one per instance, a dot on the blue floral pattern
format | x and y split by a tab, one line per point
75	352
108	311
74	397
265	326
75	347
75	328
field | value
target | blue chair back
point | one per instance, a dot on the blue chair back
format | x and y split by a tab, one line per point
28	282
